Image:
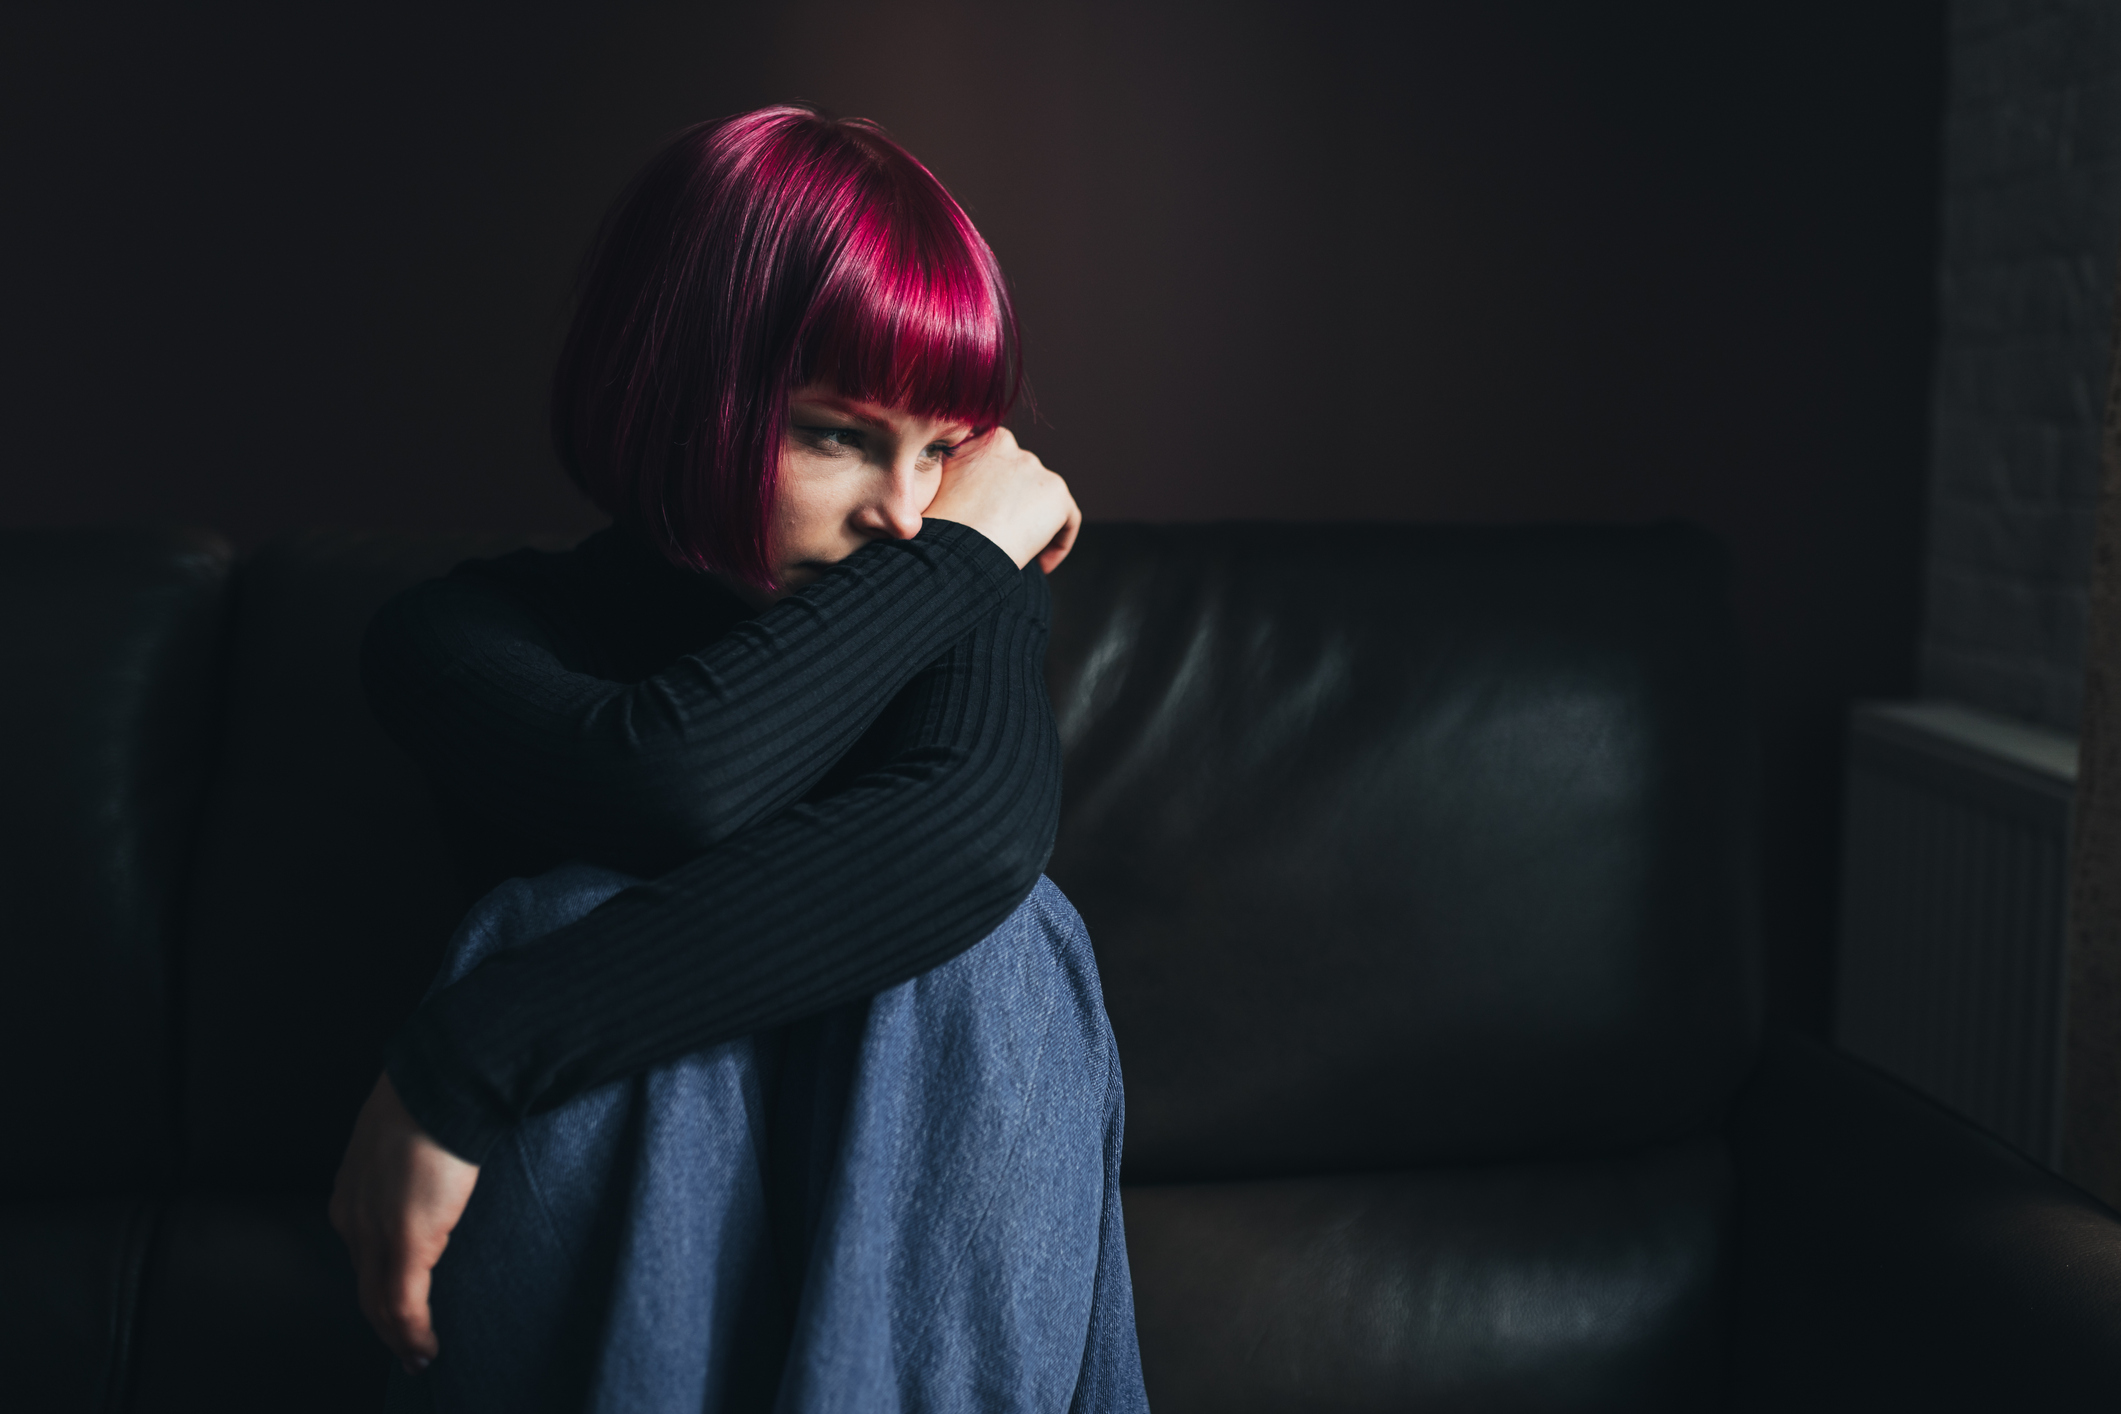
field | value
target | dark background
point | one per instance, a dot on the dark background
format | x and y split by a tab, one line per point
307	266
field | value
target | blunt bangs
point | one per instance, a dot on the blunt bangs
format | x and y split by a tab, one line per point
915	314
753	256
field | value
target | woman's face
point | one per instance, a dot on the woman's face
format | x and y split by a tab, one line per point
851	472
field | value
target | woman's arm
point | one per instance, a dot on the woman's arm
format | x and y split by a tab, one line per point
838	898
826	901
640	776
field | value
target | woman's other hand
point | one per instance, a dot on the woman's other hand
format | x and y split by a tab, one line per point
1007	495
396	1199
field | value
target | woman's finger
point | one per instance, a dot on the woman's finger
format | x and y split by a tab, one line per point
395	1286
408	1284
373	1266
1049	559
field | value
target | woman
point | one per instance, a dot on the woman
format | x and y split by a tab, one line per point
774	1075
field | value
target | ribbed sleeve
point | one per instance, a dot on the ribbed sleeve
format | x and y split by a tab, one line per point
487	688
794	905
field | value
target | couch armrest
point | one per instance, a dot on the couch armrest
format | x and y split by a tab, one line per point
1892	1256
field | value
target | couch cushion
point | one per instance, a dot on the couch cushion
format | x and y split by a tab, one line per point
248	1305
1891	1255
322	892
1406	845
1596	1285
110	640
69	1282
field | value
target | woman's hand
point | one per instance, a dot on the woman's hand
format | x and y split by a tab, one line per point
1007	495
396	1199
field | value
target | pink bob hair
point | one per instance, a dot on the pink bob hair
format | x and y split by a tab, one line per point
754	256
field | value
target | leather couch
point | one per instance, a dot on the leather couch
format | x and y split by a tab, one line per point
1418	862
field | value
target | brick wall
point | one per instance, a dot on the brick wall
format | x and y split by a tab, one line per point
2032	228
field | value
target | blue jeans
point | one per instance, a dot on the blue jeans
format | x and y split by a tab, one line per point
908	1203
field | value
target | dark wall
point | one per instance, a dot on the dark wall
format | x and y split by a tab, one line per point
1312	261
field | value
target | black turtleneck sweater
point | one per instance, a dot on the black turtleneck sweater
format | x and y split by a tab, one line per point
827	798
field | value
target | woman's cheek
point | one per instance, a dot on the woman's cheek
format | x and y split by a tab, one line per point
796	514
783	533
805	526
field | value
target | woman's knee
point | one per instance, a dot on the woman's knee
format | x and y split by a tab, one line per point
1040	952
518	911
1020	1011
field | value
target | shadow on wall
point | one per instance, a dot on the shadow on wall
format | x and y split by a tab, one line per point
1274	261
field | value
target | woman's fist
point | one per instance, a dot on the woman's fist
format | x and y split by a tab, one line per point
1007	495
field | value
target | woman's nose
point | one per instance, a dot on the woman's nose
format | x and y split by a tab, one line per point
897	510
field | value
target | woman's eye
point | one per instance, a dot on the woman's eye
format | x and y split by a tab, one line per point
834	436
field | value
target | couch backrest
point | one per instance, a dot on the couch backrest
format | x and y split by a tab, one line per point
111	639
1404	846
1399	846
321	891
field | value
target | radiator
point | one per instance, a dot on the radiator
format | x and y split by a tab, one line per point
1954	881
